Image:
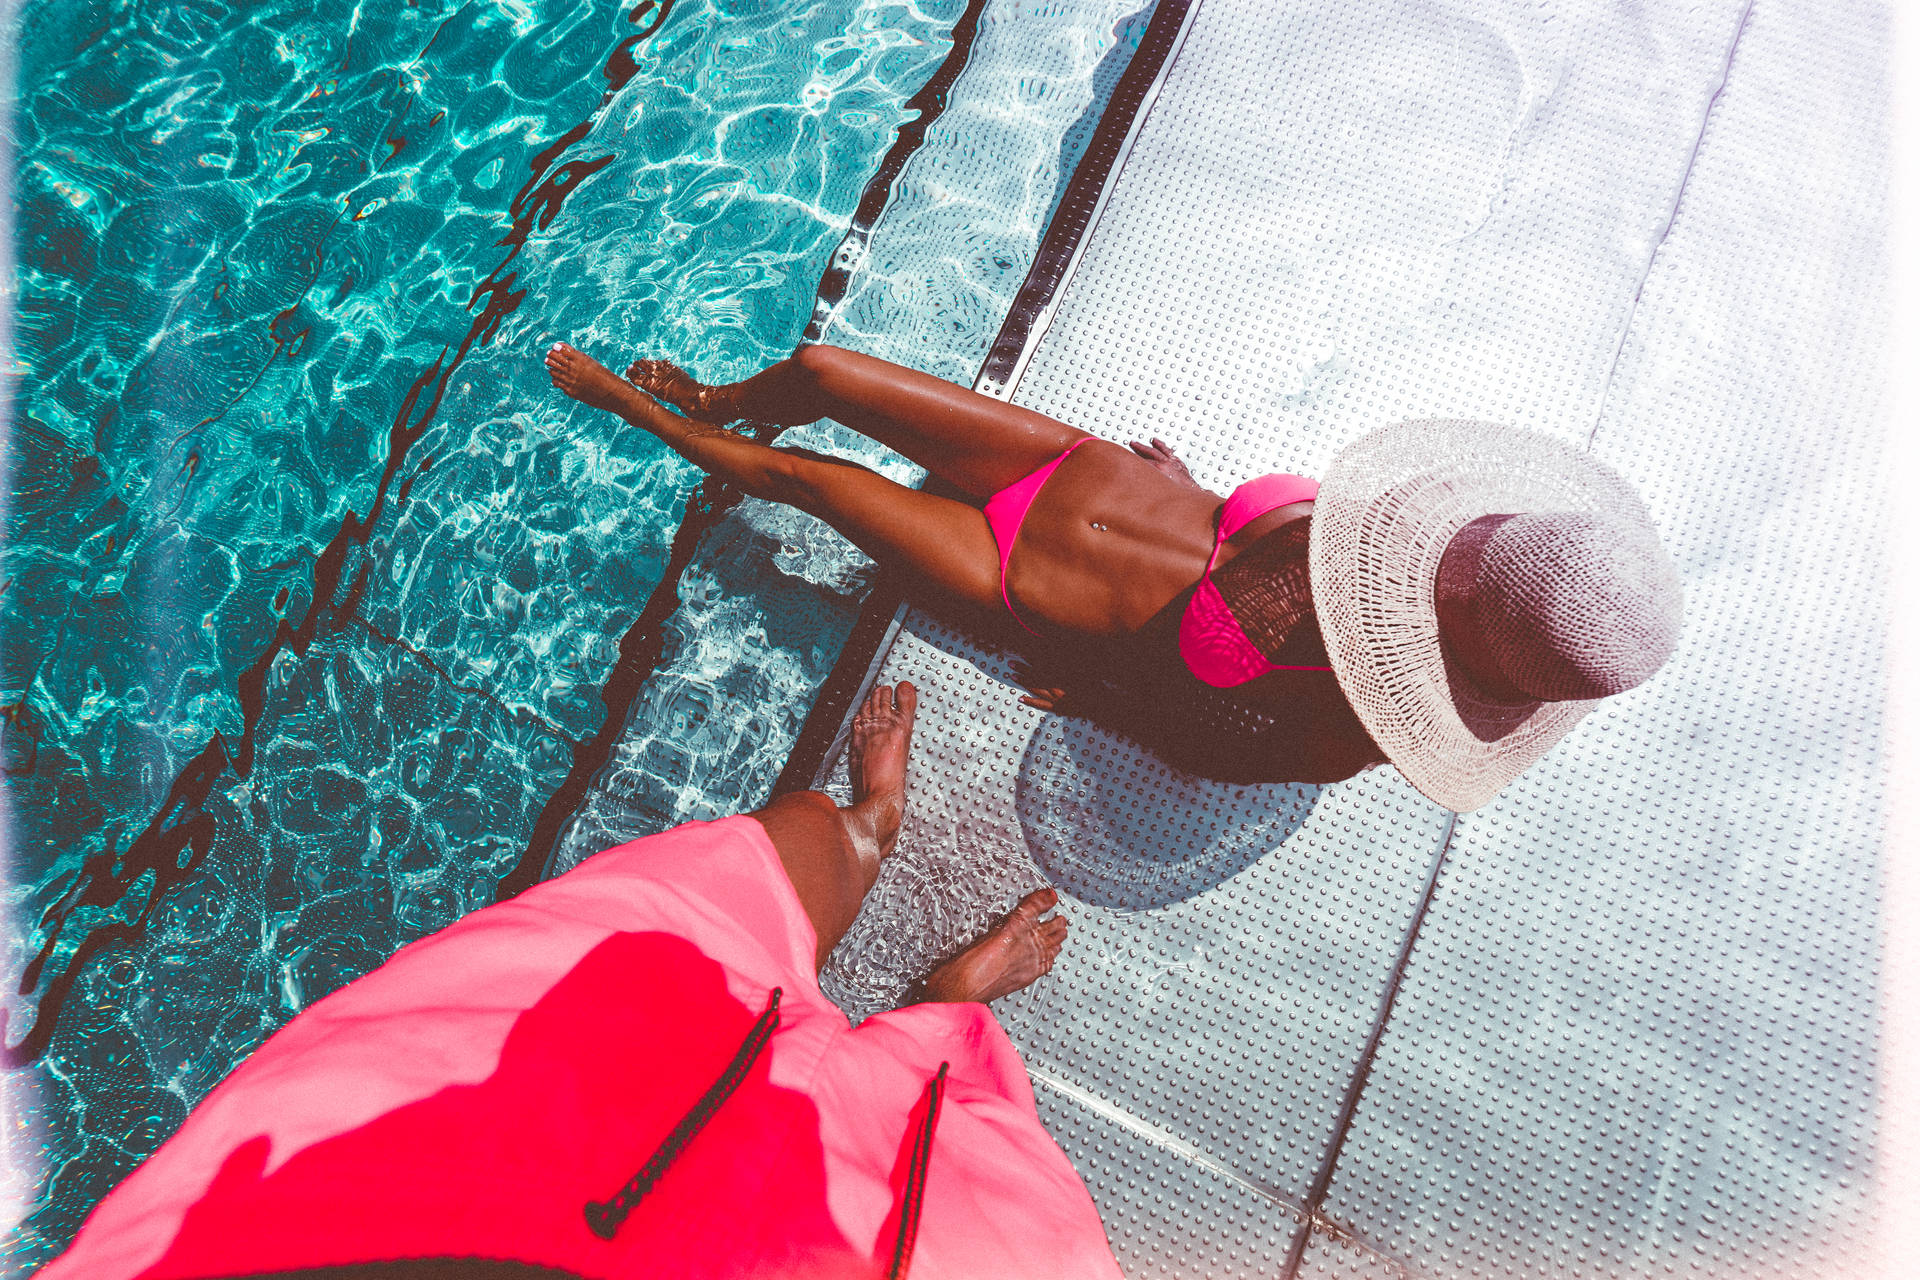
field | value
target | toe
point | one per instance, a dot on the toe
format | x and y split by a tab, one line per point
1033	906
906	698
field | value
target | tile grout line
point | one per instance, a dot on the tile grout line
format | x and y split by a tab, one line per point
1363	1068
1162	1138
1178	1146
1673	214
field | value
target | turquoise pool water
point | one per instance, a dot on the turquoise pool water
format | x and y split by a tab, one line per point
311	581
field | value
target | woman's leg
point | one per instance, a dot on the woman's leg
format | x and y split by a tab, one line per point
974	442
946	542
832	856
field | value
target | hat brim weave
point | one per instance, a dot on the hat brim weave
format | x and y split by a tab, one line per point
1385	513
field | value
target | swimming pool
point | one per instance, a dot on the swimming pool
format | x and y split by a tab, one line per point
323	613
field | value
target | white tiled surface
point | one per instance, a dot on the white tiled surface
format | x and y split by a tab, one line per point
1640	1027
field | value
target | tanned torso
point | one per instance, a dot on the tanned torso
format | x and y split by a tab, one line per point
1109	541
1113	548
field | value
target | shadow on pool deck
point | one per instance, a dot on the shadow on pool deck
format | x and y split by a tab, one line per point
1101	832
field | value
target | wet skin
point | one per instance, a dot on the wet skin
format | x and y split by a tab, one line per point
1102	567
832	857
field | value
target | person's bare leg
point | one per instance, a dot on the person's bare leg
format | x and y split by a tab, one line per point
1013	955
974	442
832	855
946	542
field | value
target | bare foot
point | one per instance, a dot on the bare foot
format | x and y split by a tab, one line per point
1023	948
1161	455
877	761
586	379
669	383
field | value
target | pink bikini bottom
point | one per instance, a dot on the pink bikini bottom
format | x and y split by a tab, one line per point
1007	510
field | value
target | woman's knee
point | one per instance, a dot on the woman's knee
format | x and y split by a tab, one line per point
805	826
817	483
825	367
822	863
811	807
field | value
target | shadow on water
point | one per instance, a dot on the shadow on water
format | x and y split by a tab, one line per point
1116	828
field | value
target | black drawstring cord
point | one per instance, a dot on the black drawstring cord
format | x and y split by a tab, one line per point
604	1217
917	1179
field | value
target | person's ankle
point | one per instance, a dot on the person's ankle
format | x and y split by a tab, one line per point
714	404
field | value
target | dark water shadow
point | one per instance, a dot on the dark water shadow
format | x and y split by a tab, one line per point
1115	827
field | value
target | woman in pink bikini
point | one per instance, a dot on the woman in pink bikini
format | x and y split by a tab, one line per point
1200	624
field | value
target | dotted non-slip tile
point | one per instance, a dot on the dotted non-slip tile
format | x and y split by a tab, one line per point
1166	1213
1333	1254
1639	1030
1345	214
1229	944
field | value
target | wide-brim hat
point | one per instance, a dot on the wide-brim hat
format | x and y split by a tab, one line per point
1388	509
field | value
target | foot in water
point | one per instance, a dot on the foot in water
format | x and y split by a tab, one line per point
1020	950
668	383
1161	455
586	379
877	762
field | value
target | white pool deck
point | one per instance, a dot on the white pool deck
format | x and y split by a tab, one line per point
1622	1021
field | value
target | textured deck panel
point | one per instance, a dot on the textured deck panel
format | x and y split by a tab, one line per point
1339	215
1229	943
1640	1029
1331	1257
1173	1216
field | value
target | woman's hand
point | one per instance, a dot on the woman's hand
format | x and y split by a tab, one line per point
1042	692
1161	455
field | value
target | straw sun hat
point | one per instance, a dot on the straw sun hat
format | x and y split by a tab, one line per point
1479	589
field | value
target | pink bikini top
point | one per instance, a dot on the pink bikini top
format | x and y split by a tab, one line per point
1212	641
